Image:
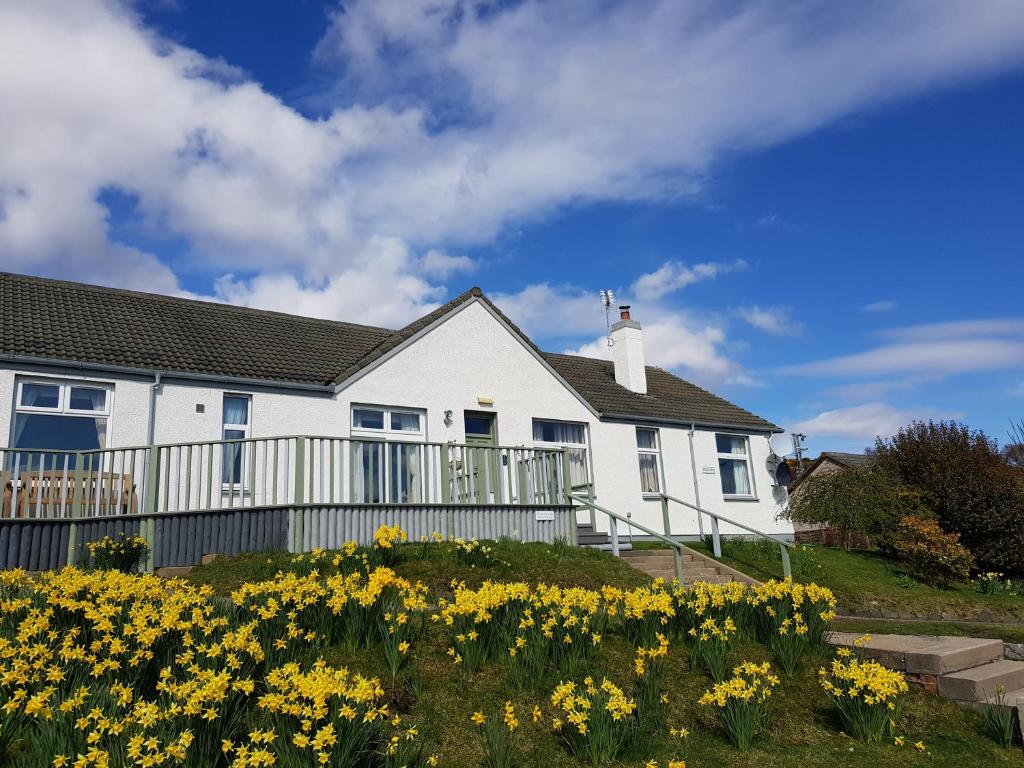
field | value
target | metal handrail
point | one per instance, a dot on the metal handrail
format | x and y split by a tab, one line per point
613	533
716	538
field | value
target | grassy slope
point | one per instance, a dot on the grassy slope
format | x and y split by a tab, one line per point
866	584
802	731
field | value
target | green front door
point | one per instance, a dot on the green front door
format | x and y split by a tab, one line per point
481	471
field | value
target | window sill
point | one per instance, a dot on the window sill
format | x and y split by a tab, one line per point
651	496
736	497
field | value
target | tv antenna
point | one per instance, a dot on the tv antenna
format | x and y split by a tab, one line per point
608	301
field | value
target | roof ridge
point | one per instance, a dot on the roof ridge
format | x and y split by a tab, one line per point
182	299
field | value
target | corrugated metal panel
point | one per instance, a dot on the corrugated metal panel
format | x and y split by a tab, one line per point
331	526
183	538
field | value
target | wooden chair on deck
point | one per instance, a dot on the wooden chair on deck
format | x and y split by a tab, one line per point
55	496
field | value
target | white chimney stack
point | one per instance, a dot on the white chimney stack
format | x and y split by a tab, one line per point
628	353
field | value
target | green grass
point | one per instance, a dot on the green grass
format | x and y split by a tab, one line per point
802	731
867	584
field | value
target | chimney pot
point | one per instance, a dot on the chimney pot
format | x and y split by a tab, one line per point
624	312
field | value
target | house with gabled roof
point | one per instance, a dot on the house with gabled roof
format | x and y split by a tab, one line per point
212	428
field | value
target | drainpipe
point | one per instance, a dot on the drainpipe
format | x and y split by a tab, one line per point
152	407
696	484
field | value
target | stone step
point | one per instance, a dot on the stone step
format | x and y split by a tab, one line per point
643	557
925	654
982	682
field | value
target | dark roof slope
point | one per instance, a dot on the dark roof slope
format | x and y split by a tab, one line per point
54	319
852	460
58	320
668	397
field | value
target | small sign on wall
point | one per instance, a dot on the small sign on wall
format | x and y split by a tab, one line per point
545	515
707	470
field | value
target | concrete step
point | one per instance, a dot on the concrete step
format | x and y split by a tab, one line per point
925	654
982	682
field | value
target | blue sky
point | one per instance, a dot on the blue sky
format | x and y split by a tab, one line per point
809	216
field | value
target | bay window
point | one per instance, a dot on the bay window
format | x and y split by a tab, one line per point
648	447
734	465
566	434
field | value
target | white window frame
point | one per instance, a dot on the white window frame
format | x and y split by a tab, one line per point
241	483
585	445
63	407
744	457
386	435
659	466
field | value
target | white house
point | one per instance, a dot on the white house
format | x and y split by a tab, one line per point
460	399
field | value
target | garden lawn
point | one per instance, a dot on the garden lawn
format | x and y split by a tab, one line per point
869	585
803	730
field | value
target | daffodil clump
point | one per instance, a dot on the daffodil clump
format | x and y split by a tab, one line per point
594	720
711	644
649	667
386	541
792	619
117	553
108	670
533	628
742	701
499	736
475	553
866	694
646	611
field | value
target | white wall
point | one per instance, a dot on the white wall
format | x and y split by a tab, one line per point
471	355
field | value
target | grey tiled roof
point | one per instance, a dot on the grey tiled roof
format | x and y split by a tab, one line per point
668	397
58	320
848	459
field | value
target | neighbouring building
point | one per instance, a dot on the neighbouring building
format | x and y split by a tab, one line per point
250	405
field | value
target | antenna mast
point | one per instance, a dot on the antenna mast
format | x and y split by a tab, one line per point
608	301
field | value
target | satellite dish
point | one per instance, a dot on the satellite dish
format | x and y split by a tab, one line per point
781	443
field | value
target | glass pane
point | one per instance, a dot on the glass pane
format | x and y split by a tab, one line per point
236	409
558	432
649	473
647	438
367	472
735	480
40	395
364	418
57	433
88	399
405	422
404	472
478	425
731	444
231	467
579	470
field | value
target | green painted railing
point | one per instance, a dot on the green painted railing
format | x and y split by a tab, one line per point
275	471
614	518
716	537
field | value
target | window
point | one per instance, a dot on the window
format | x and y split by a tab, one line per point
734	465
649	451
566	434
60	416
390	471
236	427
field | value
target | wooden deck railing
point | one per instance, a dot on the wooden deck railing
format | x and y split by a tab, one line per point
275	471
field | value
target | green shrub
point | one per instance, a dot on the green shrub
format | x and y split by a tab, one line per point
965	480
858	500
932	555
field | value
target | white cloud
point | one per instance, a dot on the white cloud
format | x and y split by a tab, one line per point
959	329
678	342
863	421
491	115
940	358
674	275
879	306
439	265
869	390
774	320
